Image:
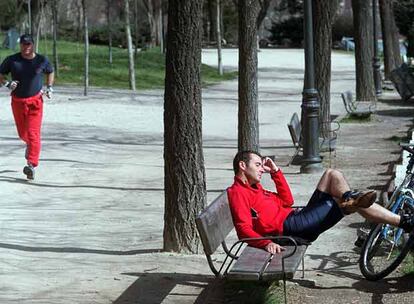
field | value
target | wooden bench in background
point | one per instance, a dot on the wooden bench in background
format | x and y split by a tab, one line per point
295	130
243	262
403	80
361	109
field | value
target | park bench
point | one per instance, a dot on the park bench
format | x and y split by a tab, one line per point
360	109
403	80
243	262
295	130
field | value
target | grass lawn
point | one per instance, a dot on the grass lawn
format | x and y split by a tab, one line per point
149	66
253	292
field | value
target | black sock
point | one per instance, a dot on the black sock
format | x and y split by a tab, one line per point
346	196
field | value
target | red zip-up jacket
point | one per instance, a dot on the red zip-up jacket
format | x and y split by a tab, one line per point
258	212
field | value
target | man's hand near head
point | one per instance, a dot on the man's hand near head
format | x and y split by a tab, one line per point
269	165
274	248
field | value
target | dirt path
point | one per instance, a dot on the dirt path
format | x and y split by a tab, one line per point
366	154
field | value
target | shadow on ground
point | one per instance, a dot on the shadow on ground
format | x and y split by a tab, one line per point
156	287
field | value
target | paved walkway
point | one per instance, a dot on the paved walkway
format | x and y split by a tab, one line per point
89	228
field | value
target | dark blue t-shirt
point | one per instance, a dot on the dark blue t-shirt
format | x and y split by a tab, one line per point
29	73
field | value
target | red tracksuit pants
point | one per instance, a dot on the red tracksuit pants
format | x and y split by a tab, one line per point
28	113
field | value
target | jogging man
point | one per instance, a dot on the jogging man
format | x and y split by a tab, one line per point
27	70
258	212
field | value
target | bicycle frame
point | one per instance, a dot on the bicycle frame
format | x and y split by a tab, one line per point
399	204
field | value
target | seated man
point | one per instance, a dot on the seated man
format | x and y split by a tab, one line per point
258	212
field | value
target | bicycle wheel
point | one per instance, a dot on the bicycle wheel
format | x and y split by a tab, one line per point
386	246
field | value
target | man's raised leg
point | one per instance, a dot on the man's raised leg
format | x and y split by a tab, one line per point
334	183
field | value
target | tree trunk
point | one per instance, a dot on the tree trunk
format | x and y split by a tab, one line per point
162	44
150	14
248	137
212	19
55	26
85	28
264	5
38	26
109	20
79	4
185	187
324	12
364	50
157	21
131	65
136	27
220	64
392	57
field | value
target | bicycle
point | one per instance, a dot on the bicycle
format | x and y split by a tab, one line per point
386	246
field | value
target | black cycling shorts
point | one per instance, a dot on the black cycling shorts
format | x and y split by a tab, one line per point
320	214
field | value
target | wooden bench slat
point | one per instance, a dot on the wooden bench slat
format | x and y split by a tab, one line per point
249	264
214	223
274	270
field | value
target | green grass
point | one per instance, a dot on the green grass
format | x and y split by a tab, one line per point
253	292
149	66
408	264
353	119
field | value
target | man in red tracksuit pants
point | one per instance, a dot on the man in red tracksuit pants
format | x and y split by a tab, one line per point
258	213
27	69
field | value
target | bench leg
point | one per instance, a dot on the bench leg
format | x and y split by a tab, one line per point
303	266
293	157
284	287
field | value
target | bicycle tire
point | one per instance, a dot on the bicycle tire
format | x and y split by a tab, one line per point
379	253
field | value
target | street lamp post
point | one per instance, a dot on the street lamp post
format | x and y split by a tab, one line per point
376	61
311	161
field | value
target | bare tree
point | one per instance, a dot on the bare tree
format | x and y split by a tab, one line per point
364	50
212	20
136	27
220	64
392	56
184	180
131	65
86	32
109	20
153	8
248	117
55	27
264	5
324	12
78	4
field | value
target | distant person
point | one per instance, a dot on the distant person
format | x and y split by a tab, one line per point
258	212
27	70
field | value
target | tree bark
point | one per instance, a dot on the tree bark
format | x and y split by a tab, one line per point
212	19
364	50
248	117
264	5
55	26
85	28
220	64
392	57
184	180
150	14
136	27
109	20
324	12
131	65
